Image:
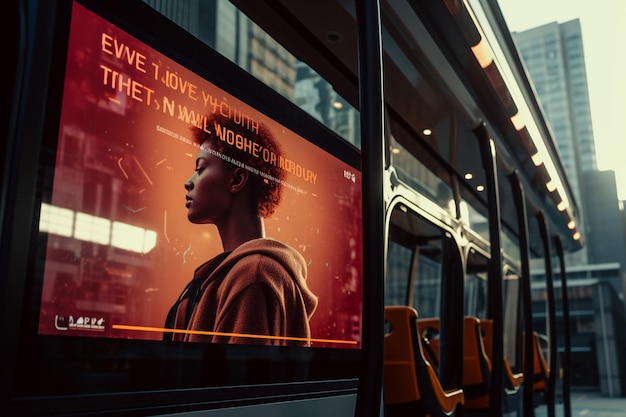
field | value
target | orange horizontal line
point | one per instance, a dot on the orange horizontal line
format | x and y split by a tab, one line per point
207	333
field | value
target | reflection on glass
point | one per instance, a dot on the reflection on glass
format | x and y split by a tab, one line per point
417	175
57	220
92	229
398	266
88	228
223	27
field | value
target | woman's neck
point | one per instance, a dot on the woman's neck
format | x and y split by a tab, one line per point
244	229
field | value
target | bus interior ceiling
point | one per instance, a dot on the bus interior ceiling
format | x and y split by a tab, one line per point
431	79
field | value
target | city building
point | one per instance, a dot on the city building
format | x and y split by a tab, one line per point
236	37
554	59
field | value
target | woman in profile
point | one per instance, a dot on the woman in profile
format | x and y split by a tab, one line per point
255	292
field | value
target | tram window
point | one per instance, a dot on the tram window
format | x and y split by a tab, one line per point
414	263
398	267
510	246
114	244
476	295
230	32
476	285
424	260
418	175
426	280
476	219
427	287
419	288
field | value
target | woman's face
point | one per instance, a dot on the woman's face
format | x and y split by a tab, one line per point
208	196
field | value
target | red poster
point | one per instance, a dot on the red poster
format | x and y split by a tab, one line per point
137	206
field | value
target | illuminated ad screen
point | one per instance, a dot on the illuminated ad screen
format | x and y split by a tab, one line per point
179	212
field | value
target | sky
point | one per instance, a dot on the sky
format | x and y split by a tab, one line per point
603	24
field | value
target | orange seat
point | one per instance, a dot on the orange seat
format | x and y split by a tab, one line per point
411	383
428	330
476	363
541	371
476	366
512	380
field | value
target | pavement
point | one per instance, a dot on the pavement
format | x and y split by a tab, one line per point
589	404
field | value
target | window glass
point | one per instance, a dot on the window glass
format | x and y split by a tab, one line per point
418	175
476	286
226	29
427	286
511	291
414	263
398	267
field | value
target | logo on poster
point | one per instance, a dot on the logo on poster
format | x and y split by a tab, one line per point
81	323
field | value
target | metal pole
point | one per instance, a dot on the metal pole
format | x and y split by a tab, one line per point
494	283
527	302
550	314
605	342
567	403
374	248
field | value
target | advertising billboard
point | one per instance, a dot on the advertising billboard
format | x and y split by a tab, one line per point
179	212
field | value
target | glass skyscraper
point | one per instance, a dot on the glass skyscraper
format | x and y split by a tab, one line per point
554	58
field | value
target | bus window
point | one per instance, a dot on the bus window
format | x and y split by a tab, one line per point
422	261
414	270
510	247
428	263
418	174
398	265
427	282
476	285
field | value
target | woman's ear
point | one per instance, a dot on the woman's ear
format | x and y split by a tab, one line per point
238	180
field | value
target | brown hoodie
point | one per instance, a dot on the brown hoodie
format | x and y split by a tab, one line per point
259	289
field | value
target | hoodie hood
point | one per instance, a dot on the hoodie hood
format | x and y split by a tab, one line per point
282	258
